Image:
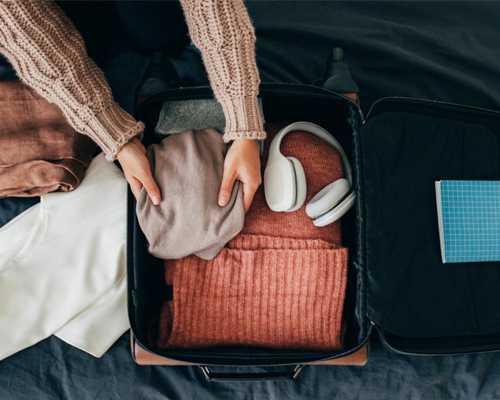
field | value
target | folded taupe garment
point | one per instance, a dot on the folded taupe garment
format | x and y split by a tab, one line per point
41	153
188	169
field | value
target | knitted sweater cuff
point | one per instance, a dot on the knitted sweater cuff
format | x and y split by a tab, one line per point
112	128
243	119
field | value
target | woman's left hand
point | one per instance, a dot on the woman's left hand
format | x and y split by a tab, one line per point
243	163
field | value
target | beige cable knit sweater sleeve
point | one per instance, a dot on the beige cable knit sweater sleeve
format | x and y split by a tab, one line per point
49	55
222	30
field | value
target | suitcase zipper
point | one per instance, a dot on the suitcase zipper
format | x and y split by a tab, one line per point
327	92
392	349
322	89
345	353
408	353
443	103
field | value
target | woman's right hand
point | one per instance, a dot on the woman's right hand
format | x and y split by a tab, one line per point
135	165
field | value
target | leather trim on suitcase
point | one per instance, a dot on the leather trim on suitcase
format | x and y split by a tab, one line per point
144	357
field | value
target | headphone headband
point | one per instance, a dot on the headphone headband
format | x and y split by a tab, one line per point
318	131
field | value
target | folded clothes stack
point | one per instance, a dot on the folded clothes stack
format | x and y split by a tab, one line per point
41	153
263	291
279	284
62	266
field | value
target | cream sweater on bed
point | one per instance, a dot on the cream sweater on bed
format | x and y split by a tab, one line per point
49	55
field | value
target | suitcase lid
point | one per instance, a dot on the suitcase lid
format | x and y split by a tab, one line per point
418	304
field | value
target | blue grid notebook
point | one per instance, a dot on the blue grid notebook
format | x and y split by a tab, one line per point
469	220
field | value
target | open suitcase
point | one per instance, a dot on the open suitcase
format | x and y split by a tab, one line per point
397	283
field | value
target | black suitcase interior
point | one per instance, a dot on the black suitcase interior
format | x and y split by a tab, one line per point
397	283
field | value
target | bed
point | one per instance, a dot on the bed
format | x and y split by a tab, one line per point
445	51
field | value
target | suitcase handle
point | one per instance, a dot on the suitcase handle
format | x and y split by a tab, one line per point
250	376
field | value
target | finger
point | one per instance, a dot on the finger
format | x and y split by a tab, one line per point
151	188
135	186
226	187
248	194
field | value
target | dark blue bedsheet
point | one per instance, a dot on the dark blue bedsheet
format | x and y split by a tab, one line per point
446	51
54	370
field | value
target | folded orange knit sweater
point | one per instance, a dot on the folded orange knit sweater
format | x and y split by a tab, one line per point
280	284
263	292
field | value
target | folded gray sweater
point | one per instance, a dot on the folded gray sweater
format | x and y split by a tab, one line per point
188	169
177	116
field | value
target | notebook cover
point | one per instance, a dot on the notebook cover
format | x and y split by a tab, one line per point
469	220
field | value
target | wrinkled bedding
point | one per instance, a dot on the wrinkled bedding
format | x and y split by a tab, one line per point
445	51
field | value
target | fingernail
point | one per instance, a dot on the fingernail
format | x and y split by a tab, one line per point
222	201
156	200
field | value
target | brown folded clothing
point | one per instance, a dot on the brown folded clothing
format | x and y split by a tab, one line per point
41	153
279	284
288	294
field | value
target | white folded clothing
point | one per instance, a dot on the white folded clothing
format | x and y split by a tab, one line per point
63	266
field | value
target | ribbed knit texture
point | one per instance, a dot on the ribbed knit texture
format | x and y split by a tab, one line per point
222	30
322	165
49	55
271	292
279	284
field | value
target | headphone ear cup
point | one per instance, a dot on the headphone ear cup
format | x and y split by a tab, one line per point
279	183
328	198
301	186
337	212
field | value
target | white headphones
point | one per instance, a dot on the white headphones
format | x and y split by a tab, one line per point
285	183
